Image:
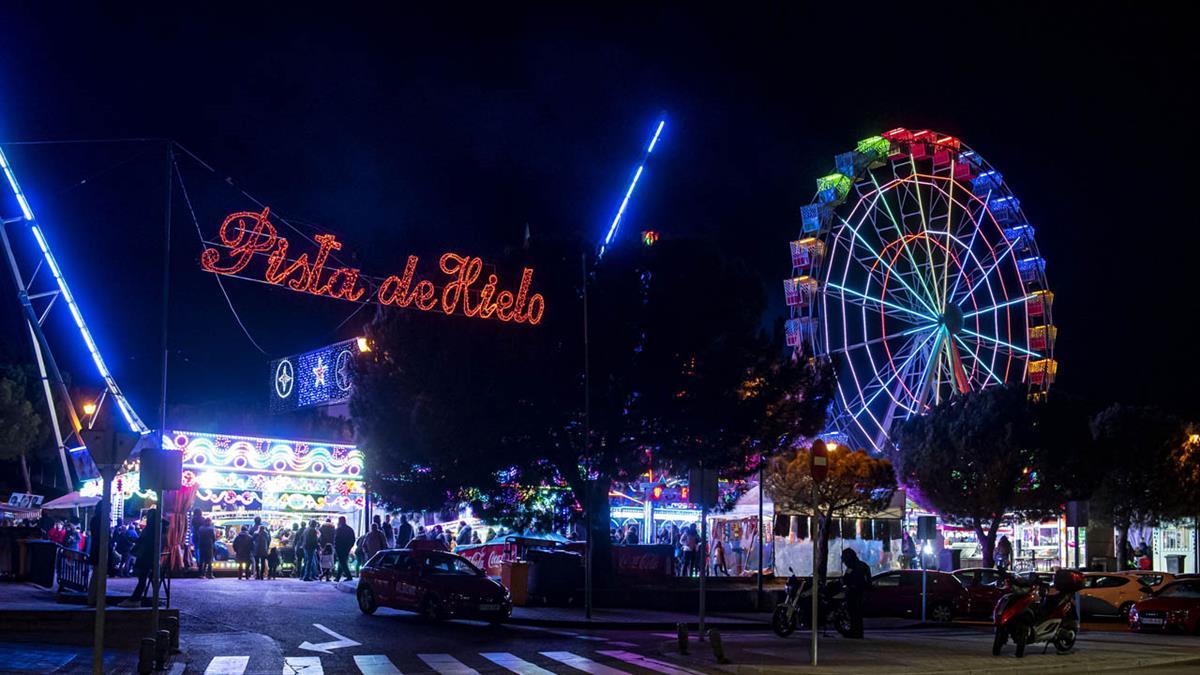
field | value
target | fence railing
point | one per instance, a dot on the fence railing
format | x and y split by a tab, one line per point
72	570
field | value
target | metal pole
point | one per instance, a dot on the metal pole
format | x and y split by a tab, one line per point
761	488
813	531
587	437
107	474
162	397
924	580
703	552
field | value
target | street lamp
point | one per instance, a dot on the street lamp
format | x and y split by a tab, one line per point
89	408
363	345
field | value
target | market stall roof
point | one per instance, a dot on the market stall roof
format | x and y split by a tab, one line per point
19	512
71	500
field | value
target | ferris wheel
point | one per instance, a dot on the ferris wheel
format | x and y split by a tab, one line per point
917	272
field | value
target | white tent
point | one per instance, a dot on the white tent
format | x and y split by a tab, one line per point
71	500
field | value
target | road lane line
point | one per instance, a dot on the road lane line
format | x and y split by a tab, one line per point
375	664
647	663
227	665
446	664
516	665
586	665
303	665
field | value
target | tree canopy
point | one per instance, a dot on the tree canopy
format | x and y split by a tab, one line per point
21	428
983	457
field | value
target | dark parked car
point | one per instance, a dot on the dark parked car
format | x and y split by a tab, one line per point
1174	607
437	584
898	593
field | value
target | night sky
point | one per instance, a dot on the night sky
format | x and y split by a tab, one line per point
417	134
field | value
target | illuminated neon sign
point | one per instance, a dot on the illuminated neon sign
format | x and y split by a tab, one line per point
246	236
319	377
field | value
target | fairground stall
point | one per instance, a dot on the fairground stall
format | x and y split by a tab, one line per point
233	479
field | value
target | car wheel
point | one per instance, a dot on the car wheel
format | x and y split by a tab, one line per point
1124	610
366	600
941	613
431	609
1000	639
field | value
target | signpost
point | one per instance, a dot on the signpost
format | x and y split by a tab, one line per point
109	449
703	488
818	469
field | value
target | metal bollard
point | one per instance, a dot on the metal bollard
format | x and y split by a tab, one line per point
146	657
171	623
162	645
714	639
682	632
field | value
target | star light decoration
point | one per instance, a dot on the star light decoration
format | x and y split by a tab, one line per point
319	372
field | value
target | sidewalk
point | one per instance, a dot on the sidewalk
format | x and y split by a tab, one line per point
34	614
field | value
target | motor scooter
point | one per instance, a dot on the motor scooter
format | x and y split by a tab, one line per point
1029	613
796	607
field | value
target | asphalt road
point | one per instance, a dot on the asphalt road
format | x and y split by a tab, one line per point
232	626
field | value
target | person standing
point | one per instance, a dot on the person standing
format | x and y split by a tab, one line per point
389	533
1004	553
262	549
328	532
404	533
719	558
299	563
312	544
857	581
375	541
243	551
206	541
464	533
144	559
343	541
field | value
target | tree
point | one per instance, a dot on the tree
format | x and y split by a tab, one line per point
985	457
857	485
20	427
1143	450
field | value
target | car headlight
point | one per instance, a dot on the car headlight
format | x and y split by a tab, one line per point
1133	613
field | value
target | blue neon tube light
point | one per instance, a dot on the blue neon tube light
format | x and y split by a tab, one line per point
131	418
612	229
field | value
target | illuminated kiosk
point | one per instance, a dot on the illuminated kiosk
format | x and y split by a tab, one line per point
232	479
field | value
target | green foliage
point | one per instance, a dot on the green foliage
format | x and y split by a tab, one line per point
1143	451
986	456
21	429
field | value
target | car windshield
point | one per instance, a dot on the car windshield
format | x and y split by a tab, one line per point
453	565
1190	590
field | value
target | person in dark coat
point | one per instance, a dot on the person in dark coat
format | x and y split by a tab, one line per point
143	562
375	541
857	580
404	533
298	560
312	544
343	541
243	549
389	533
262	549
328	533
206	542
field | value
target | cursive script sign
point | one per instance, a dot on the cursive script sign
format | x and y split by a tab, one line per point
246	235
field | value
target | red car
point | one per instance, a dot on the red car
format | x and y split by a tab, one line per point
985	586
437	584
1174	607
898	593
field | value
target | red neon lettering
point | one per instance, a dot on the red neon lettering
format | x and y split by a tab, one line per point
245	234
258	239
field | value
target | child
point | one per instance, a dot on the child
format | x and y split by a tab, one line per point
327	562
273	563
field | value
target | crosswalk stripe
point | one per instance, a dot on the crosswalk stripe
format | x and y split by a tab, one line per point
227	665
584	664
517	665
303	665
375	664
446	664
647	663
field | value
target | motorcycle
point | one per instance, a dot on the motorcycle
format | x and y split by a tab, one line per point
796	608
1030	614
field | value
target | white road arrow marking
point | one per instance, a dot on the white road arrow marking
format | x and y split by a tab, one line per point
324	647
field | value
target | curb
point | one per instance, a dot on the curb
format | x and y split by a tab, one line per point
637	625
